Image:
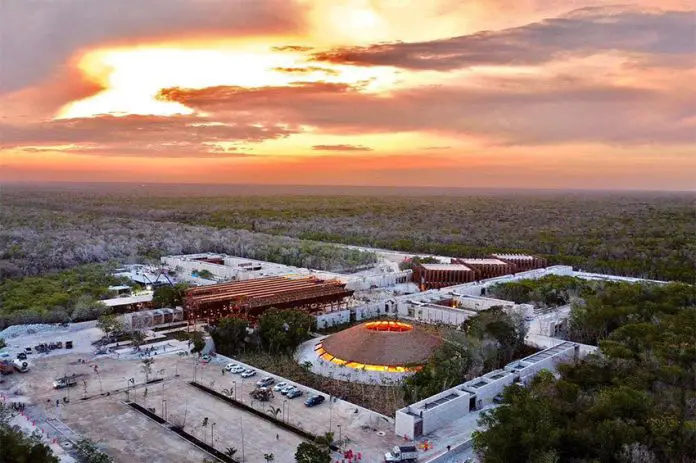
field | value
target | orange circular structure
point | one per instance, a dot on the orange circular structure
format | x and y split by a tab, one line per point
387	346
389	326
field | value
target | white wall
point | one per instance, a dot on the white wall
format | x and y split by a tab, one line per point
382	280
478	304
405	424
431	313
439	416
433	418
485	394
333	318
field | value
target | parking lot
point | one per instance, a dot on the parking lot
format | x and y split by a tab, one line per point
362	430
95	408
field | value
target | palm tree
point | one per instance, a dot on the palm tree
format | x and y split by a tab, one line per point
147	368
268	457
274	411
230	451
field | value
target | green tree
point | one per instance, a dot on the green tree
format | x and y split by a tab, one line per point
17	447
230	335
447	367
137	338
170	296
284	330
198	341
632	403
89	453
311	453
502	335
109	324
146	367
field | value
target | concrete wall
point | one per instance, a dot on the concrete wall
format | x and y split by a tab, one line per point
382	280
448	412
526	369
493	386
431	313
478	304
434	417
440	415
374	310
405	424
333	318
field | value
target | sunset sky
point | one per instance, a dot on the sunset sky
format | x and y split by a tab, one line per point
456	93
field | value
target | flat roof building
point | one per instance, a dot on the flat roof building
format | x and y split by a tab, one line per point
435	276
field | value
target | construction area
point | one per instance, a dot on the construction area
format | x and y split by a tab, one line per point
164	404
99	407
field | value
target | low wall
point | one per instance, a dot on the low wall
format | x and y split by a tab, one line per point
333	318
235	403
178	430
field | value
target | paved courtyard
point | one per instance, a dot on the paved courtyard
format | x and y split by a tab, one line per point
95	408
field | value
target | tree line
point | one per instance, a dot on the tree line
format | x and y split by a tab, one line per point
649	235
634	402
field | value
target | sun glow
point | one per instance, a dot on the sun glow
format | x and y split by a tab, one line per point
132	77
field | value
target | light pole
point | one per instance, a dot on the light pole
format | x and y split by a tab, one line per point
340	445
330	412
212	430
285	401
241	425
235	389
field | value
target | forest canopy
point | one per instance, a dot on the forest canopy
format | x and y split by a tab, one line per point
648	235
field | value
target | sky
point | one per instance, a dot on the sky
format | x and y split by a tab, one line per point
450	93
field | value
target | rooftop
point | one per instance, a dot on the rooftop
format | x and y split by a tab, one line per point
483	261
120	301
368	344
514	256
451	267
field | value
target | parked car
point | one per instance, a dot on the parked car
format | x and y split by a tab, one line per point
314	400
265	382
287	389
498	399
230	366
205	358
280	386
248	373
294	393
237	370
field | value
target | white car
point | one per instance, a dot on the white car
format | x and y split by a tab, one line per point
248	373
230	366
238	369
281	385
287	389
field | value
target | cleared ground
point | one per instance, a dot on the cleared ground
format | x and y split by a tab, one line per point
96	410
